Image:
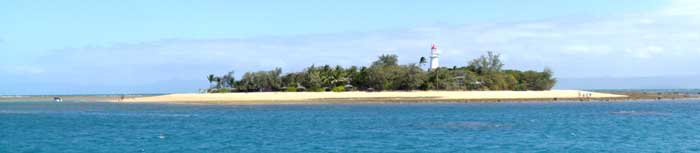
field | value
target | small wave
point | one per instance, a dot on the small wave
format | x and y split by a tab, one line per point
20	112
135	114
472	125
627	112
12	96
99	113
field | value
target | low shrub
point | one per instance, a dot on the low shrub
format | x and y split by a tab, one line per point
223	90
318	89
338	89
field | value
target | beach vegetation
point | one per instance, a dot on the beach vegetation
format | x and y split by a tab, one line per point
386	74
223	90
319	89
338	89
291	89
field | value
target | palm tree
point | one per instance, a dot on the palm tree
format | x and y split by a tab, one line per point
422	61
231	80
210	77
218	82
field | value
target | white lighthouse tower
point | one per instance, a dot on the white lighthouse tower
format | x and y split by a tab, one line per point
434	57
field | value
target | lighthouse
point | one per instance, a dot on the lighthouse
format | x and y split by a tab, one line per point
434	57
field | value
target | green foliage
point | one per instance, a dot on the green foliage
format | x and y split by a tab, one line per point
442	79
319	89
223	90
483	73
387	60
261	81
486	64
338	89
312	80
225	81
411	77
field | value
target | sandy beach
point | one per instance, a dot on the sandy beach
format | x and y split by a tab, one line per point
388	96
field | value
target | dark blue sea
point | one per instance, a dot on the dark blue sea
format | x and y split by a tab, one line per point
651	126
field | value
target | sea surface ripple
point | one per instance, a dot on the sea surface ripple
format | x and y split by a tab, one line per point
660	126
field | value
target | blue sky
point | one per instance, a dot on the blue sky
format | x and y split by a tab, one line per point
66	47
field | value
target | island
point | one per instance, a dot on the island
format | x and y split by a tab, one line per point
384	80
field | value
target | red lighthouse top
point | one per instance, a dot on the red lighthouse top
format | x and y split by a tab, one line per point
434	47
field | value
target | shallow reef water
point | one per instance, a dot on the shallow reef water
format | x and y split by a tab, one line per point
651	126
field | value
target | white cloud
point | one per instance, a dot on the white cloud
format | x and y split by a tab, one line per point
646	52
682	8
655	43
22	69
587	49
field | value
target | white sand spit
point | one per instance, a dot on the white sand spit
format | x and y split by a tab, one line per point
292	97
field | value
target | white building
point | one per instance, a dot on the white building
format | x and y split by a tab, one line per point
434	57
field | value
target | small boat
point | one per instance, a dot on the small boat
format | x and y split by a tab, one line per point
57	99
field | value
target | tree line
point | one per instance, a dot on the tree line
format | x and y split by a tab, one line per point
385	74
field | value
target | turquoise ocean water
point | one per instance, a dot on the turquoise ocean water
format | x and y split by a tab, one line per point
652	126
